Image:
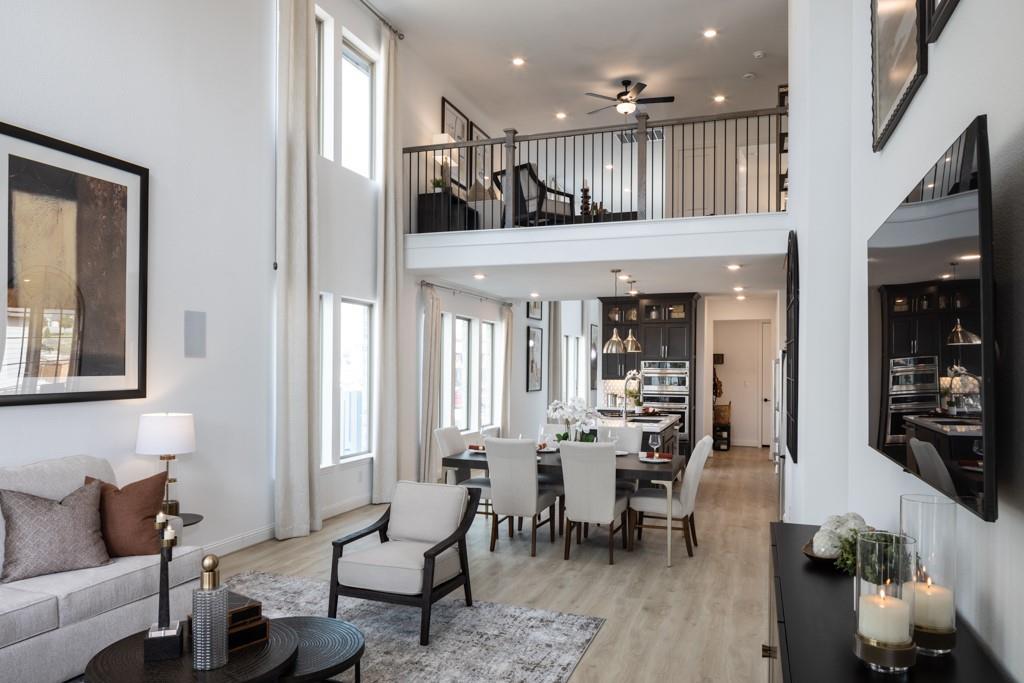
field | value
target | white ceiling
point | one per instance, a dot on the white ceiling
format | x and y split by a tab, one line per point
575	47
573	281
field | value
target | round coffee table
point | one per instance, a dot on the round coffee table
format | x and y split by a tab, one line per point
326	648
122	662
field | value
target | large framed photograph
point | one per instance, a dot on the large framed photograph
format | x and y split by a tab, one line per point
535	310
482	157
74	261
456	124
595	354
899	62
534	358
939	12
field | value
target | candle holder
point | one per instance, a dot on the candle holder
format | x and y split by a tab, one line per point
165	638
884	590
932	521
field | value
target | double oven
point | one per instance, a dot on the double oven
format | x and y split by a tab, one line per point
666	387
913	390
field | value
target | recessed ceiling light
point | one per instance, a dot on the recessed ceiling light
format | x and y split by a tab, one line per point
479	276
949	159
534	295
749	76
970	257
710	32
719	98
742	169
28	279
741	298
758	54
734	266
634	291
626	190
737	289
946	276
624	277
560	115
931	185
518	61
609	167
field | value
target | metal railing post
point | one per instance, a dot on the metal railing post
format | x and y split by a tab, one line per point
641	162
508	194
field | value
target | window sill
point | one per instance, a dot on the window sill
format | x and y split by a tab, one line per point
351	460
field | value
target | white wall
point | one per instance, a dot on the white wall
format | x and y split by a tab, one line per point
185	89
740	343
528	409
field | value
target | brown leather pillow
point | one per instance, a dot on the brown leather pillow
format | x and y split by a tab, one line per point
127	515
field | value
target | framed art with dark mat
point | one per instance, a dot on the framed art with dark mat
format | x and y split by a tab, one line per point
899	62
534	358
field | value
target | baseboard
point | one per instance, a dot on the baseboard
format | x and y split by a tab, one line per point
236	543
342	506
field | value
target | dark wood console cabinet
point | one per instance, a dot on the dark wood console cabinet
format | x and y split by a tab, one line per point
811	626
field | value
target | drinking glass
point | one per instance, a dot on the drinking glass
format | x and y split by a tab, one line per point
655	442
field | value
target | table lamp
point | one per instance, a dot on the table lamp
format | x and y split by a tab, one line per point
167	435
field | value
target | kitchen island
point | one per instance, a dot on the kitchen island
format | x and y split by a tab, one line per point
663	425
958	441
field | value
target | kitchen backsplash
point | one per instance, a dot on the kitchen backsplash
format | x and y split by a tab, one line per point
610	389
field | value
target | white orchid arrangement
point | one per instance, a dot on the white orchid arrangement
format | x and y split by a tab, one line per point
577	417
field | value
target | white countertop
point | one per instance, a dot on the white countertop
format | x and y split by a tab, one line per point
663	422
950	426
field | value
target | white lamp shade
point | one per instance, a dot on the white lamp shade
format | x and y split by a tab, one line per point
166	434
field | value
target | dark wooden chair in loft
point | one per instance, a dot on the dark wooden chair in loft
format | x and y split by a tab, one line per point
421	556
535	203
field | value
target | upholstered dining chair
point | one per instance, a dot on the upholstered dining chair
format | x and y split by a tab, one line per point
515	489
651	501
450	441
588	470
629	439
931	468
421	556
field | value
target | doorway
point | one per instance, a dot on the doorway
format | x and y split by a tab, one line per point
744	351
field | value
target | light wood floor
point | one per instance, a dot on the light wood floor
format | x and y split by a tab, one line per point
703	619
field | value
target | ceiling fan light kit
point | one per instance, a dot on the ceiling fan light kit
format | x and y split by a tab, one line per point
626	101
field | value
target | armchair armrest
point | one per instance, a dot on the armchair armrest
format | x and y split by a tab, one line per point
380	527
461	531
552	190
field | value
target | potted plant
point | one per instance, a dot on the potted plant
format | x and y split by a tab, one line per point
437	184
579	420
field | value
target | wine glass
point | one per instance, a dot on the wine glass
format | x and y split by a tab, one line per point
541	436
655	442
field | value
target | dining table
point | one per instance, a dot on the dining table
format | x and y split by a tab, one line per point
627	466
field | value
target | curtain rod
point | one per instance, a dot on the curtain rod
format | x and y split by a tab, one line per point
376	13
464	292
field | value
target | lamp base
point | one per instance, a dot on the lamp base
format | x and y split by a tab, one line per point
933	643
170	507
161	644
886	659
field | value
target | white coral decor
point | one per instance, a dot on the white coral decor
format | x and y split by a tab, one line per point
575	414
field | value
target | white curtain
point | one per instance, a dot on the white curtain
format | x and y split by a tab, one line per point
389	278
296	450
430	380
554	351
506	373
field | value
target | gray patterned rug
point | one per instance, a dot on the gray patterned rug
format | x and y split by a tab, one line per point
485	642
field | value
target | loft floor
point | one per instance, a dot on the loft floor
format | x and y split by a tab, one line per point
703	619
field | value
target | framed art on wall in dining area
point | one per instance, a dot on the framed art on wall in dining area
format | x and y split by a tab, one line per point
534	358
899	62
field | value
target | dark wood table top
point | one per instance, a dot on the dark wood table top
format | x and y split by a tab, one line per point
626	466
326	647
815	605
190	518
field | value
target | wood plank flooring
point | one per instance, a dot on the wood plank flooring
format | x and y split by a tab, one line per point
701	620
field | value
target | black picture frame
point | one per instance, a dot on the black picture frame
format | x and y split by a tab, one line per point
595	354
534	310
791	347
42	148
456	124
534	358
883	124
939	12
479	170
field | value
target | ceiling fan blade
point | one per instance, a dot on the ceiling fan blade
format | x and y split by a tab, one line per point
636	89
600	97
601	109
655	100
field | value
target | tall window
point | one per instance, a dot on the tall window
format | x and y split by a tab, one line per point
460	375
325	82
467	372
574	368
486	374
356	111
346	341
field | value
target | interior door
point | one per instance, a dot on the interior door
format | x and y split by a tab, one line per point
767	379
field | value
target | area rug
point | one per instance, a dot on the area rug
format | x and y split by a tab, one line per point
485	642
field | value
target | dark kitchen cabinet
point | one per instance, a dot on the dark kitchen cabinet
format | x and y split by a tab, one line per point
665	342
617	365
915	335
664	310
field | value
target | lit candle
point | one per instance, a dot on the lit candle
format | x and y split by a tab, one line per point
161	518
933	606
882	618
169	534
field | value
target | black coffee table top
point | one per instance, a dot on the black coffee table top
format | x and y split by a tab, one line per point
326	647
122	662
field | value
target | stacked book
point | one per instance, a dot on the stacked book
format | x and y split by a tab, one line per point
246	623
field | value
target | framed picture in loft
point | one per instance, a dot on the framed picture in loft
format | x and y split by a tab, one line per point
73	257
535	310
534	358
899	62
939	12
456	124
482	157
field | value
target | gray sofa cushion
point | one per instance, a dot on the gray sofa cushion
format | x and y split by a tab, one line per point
46	536
53	479
24	614
85	593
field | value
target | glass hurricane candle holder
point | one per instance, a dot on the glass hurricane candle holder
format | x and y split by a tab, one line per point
931	520
886	565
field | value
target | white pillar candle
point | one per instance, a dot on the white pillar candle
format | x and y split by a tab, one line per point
885	619
934	607
161	517
169	534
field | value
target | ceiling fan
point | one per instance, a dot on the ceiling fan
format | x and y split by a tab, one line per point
626	101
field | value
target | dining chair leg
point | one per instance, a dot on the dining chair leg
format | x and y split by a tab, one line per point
568	537
520	523
693	529
623	525
639	528
586	529
494	531
630	527
686	533
579	531
611	543
533	536
551	522
561	514
511	526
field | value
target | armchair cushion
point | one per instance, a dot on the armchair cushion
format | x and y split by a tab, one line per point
426	513
395	567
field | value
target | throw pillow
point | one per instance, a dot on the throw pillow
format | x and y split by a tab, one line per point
47	536
127	515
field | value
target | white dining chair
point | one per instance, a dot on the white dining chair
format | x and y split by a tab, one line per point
931	468
588	472
515	489
450	441
628	439
651	501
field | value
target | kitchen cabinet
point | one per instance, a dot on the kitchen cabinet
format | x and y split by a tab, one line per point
617	365
665	342
915	335
664	310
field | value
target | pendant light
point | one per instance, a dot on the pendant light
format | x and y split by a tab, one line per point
631	344
961	337
615	344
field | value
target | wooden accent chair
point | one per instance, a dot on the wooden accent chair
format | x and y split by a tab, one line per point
590	494
516	490
422	552
535	203
651	501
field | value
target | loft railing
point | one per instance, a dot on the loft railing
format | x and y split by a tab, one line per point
645	170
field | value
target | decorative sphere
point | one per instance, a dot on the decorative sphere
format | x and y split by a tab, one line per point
210	563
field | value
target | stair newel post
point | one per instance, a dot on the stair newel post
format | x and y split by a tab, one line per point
509	190
641	162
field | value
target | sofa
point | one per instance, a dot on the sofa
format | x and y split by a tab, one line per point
52	625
